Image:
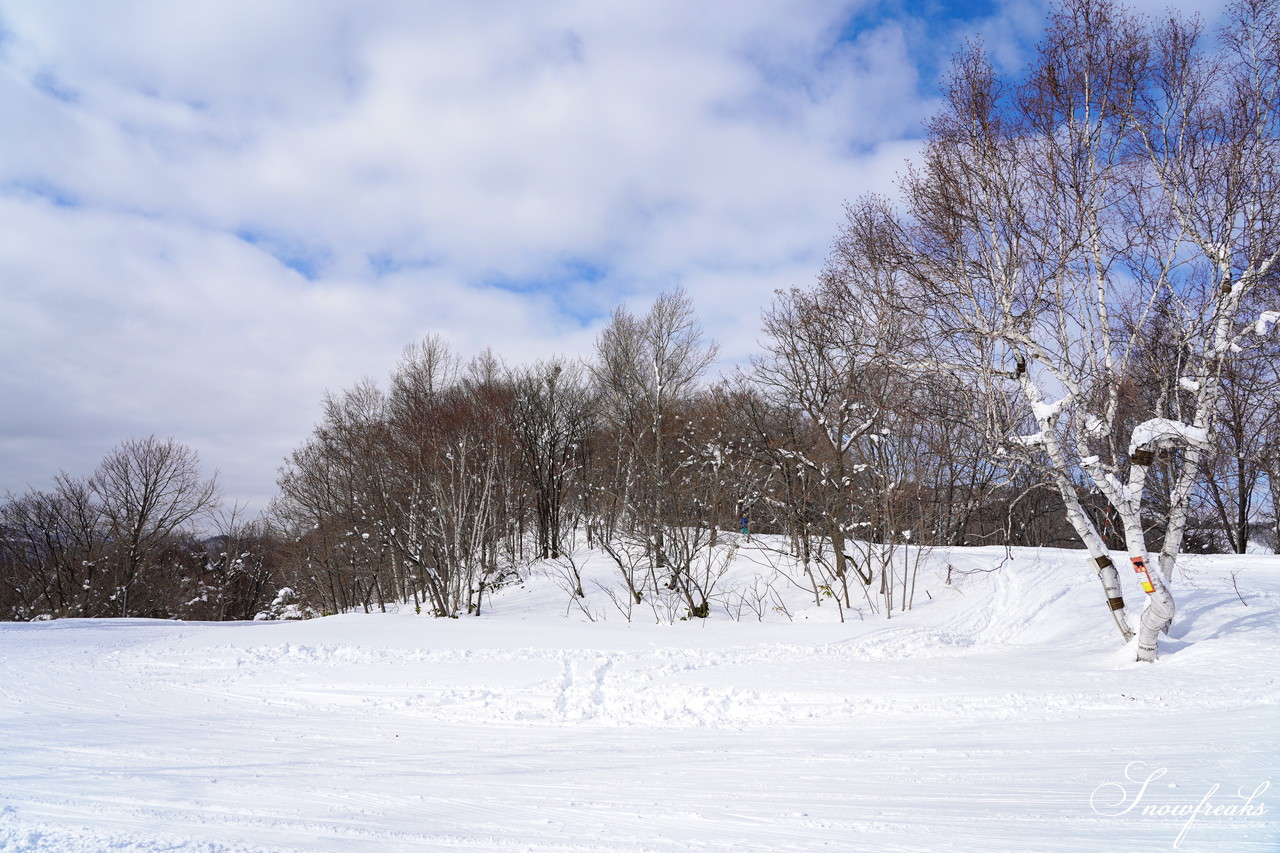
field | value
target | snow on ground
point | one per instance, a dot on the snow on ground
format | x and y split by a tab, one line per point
1000	714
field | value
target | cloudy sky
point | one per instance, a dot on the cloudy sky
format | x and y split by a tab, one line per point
213	212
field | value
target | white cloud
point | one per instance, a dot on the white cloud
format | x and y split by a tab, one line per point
408	157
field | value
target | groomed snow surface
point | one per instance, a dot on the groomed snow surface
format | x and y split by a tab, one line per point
1000	714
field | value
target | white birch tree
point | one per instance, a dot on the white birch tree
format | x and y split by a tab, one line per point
1134	168
644	366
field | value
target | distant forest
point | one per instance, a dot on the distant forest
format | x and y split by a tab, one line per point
1062	333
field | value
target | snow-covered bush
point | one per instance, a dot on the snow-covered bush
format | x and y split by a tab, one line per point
285	606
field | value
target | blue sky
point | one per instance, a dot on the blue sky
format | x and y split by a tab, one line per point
213	213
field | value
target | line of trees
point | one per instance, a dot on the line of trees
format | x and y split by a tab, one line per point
439	488
1070	306
444	484
125	542
436	489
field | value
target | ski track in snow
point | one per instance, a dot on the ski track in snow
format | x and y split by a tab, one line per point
984	719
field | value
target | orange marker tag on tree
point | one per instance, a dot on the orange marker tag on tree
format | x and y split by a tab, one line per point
1140	566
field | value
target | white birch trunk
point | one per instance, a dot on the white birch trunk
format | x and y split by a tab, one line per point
1079	519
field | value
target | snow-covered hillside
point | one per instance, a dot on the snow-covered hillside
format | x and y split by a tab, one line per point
999	714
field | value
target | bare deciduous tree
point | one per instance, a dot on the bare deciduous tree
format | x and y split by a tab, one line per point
50	549
644	367
551	418
147	490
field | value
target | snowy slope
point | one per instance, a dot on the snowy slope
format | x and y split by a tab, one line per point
999	714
